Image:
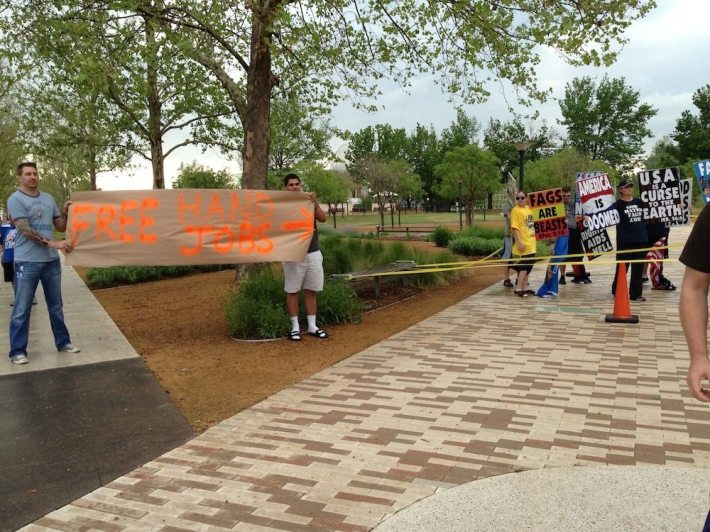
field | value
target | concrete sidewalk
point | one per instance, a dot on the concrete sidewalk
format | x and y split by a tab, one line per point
495	396
71	423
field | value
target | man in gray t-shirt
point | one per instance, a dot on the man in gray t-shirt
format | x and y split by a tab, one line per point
36	215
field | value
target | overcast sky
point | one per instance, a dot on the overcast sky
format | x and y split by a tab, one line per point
666	60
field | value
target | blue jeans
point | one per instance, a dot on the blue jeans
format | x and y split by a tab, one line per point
27	276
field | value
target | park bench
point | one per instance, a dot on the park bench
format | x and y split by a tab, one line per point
377	273
406	229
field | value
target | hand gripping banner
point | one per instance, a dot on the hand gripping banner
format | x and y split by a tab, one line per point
188	226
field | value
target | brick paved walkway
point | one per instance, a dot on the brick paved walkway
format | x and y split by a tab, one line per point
462	396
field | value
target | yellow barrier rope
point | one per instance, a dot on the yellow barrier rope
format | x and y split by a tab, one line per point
487	262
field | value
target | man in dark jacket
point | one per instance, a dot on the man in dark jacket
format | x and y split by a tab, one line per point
631	235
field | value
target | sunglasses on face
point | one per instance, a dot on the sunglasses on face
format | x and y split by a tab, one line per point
628	186
520	197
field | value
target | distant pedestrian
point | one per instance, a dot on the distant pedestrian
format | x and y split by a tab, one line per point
574	245
7	234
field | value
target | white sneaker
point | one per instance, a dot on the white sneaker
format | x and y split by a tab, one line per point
19	359
69	348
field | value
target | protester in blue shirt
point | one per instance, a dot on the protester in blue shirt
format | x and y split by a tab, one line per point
7	234
36	215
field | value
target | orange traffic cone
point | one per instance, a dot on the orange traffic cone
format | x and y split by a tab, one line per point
622	307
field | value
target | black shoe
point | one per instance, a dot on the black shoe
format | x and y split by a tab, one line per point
563	280
520	293
638	298
507	283
644	279
586	280
664	287
578	281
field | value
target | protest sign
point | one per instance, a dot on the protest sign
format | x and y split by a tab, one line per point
186	227
596	195
596	241
702	174
660	194
548	210
686	186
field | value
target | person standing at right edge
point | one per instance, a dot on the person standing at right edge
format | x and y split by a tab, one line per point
694	309
631	235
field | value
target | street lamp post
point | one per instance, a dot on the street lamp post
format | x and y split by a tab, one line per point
521	147
460	203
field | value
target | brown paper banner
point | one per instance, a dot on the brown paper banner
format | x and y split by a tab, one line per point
188	226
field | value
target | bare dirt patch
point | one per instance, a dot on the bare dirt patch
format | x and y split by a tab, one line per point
179	329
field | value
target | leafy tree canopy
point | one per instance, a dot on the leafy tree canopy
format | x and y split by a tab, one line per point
692	132
468	173
605	120
296	136
663	154
561	168
195	175
385	180
499	137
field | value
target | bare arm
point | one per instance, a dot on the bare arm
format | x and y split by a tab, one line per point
60	222
518	240
319	212
694	318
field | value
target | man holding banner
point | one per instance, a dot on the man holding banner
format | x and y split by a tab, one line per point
36	215
306	275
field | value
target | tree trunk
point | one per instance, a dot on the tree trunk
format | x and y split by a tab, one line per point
260	81
155	133
92	167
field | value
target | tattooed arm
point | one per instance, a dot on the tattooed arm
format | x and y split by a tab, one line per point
23	225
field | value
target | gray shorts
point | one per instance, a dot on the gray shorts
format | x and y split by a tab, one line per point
307	274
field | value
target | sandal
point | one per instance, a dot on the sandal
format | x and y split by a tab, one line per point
520	293
319	333
294	336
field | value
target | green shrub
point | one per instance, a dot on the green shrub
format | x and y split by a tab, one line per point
484	232
337	303
543	250
473	246
433	278
122	275
257	308
441	236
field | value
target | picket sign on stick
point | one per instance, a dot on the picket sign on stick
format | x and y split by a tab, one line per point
188	226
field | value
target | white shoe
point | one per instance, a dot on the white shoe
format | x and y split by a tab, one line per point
69	348
19	359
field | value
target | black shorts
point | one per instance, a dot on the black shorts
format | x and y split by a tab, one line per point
8	269
525	264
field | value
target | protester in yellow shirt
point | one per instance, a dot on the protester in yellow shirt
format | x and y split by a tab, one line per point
525	246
